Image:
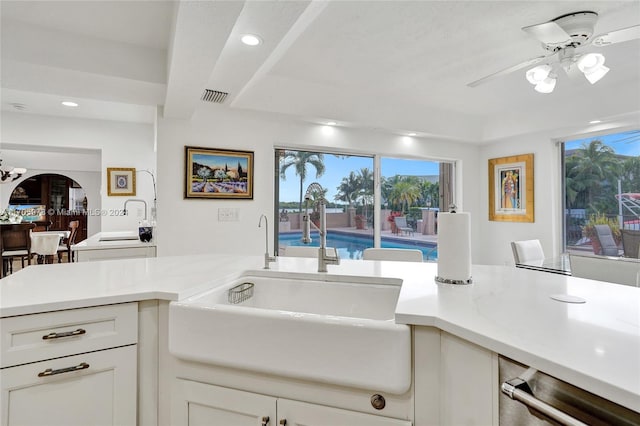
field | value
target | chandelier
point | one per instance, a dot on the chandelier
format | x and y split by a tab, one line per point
11	173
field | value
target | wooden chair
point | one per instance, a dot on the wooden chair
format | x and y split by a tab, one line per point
527	251
68	242
401	225
15	242
404	255
631	243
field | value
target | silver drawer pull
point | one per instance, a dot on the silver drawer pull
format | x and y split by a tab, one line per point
49	372
519	390
77	332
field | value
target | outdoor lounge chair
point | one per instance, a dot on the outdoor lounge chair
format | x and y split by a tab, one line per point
607	243
401	224
631	243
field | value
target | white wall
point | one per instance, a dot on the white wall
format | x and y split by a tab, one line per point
191	225
547	225
120	144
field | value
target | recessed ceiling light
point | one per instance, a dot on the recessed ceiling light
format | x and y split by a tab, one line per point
595	121
411	134
69	104
331	123
251	40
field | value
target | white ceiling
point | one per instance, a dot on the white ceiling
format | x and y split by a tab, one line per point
392	65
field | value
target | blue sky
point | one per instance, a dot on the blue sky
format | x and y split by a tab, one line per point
627	143
337	168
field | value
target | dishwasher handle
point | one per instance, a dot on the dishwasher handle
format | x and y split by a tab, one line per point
519	390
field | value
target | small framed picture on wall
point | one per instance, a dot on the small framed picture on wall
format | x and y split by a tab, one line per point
121	181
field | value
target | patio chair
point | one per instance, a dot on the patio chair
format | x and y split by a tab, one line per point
403	255
527	251
631	243
401	224
607	243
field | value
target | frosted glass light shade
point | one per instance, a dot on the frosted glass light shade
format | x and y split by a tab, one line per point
538	74
596	75
546	86
592	65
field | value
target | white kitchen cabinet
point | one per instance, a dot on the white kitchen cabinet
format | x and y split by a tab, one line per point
71	367
195	404
96	388
90	255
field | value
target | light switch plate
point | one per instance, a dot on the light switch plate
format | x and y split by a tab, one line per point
228	215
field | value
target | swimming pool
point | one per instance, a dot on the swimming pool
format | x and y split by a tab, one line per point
351	246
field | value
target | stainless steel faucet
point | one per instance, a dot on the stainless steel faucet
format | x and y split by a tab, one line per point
267	259
136	199
324	259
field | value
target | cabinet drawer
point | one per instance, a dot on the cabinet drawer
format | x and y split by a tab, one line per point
37	337
97	388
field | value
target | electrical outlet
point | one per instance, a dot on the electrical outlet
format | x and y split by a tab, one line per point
228	215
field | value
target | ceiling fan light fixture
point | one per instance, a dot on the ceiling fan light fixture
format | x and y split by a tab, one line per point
547	85
596	75
538	74
592	65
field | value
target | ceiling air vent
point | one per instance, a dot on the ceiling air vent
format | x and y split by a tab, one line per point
214	96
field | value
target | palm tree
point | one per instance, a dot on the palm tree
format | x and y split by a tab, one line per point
365	177
299	161
348	189
405	192
594	168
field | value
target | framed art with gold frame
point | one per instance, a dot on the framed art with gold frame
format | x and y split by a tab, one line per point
511	189
215	173
121	181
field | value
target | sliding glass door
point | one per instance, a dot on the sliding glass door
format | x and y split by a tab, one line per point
410	190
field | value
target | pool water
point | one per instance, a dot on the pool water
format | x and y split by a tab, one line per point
351	246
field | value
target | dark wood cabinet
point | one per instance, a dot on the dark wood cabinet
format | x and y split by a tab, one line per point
54	193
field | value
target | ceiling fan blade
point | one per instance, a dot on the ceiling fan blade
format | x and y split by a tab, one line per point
548	33
509	70
617	36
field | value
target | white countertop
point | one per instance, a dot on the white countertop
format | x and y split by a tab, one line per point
594	345
117	239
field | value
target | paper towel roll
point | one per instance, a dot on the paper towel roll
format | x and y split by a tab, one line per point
454	248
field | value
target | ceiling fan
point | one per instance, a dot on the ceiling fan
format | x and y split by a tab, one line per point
561	37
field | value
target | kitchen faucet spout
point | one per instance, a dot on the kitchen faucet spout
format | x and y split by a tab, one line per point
267	259
324	259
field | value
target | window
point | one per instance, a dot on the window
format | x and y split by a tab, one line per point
407	188
601	186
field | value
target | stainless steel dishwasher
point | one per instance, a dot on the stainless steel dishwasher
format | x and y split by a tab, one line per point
529	397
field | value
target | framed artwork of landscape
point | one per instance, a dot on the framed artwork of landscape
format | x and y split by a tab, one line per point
121	181
218	173
511	188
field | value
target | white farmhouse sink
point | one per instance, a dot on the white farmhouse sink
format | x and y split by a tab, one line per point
328	331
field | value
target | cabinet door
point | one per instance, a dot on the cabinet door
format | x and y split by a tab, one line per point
97	388
303	414
196	404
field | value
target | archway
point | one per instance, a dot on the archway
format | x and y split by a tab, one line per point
52	201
